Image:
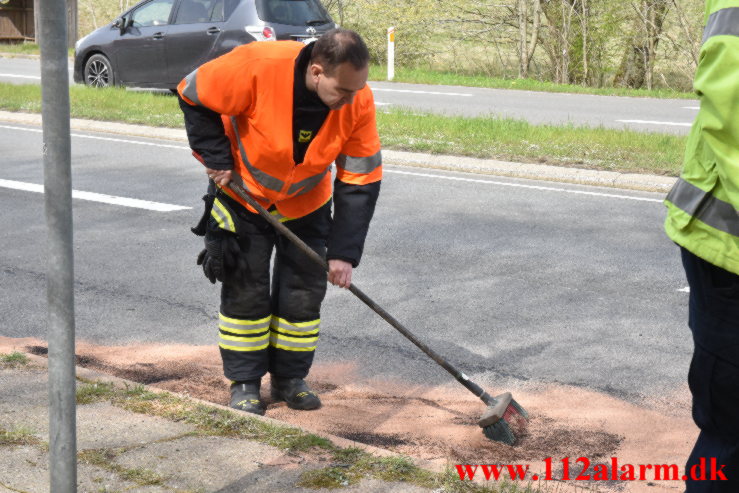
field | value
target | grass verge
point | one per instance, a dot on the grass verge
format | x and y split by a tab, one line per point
482	137
25	49
428	76
207	420
104	458
18	436
351	465
348	466
13	360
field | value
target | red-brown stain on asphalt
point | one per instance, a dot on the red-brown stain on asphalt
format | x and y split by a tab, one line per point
434	423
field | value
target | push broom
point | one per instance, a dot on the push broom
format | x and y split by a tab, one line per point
501	411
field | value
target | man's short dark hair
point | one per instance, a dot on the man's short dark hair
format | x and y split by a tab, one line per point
339	46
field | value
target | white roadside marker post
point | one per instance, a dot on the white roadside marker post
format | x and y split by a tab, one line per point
390	53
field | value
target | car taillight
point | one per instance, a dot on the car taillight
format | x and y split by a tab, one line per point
262	33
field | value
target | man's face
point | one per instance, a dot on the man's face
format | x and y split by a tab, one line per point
341	86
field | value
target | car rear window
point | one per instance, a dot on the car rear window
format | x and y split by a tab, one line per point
293	12
193	11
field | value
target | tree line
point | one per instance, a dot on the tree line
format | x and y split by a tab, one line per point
625	43
600	43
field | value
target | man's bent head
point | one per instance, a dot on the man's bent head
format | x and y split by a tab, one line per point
338	67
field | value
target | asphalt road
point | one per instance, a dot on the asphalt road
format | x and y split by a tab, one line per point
510	279
642	114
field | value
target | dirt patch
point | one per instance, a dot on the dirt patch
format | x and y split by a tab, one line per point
434	423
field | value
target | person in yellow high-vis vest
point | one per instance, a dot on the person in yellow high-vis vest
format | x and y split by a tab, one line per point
703	219
276	117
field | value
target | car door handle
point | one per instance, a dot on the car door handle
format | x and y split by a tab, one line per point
213	30
158	35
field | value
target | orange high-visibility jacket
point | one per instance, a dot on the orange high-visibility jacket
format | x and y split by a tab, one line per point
252	88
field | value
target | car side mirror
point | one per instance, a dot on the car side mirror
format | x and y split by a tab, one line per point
122	24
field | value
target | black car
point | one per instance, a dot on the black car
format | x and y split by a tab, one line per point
158	42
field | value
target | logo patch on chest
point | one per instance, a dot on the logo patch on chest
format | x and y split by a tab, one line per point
305	136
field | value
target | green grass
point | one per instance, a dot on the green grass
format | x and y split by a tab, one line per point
114	104
90	393
14	359
24	49
482	137
348	466
208	421
519	141
18	436
104	458
427	76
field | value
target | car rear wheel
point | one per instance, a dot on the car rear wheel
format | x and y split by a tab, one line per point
99	71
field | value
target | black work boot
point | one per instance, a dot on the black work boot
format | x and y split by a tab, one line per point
295	392
245	397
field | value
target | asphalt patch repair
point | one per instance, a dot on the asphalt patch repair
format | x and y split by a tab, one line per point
411	420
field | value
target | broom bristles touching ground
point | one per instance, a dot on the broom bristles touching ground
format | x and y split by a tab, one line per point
500	430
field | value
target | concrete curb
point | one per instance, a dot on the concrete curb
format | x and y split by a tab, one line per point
612	179
88	374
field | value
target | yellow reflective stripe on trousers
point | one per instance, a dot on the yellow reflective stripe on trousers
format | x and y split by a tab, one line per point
237	326
222	216
296	328
292	343
235	343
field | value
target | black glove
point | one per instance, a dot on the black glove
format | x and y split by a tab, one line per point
222	252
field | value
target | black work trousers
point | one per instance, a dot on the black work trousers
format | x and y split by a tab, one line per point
273	327
714	373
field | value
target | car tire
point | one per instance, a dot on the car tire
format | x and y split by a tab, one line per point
99	72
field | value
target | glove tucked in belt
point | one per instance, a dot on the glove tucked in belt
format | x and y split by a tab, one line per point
222	250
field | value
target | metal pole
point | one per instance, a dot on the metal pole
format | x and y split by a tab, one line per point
60	278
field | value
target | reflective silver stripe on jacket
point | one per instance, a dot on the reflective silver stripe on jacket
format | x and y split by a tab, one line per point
191	87
724	22
308	184
360	164
702	205
263	178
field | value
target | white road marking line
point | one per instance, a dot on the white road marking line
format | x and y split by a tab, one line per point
35	77
649	122
531	187
427	175
109	139
380	89
691	107
377	103
685	289
98	197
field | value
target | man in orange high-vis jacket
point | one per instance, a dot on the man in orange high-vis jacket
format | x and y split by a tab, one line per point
275	116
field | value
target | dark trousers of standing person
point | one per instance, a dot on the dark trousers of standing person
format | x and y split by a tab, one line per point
714	374
273	327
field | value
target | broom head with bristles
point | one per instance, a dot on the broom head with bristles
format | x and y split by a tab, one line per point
497	419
